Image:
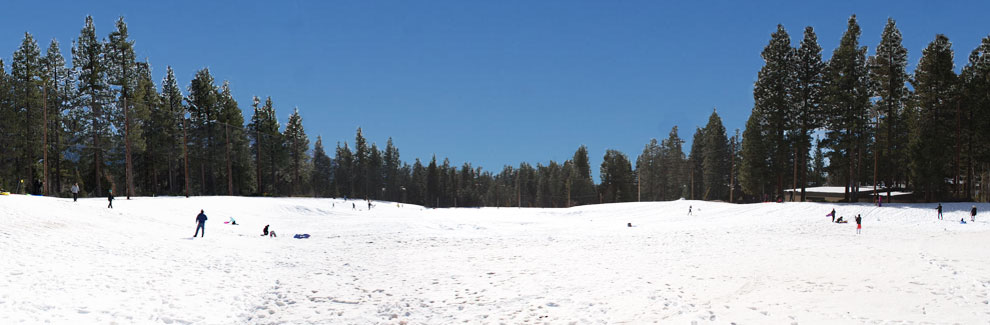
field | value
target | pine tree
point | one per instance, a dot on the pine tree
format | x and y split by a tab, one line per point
88	59
847	102
695	168
26	75
121	70
617	178
889	77
204	113
322	170
60	85
715	161
774	101
144	99
582	187
343	174
239	170
648	166
361	171
935	95
672	173
298	146
975	79
754	171
392	172
433	183
807	99
375	177
267	144
168	131
8	119
418	183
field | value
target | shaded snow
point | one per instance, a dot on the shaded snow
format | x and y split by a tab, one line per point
65	262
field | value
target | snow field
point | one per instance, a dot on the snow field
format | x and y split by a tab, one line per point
66	262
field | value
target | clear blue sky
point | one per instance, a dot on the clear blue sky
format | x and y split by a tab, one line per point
491	83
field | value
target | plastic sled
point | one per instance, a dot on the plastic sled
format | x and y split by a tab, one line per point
301	236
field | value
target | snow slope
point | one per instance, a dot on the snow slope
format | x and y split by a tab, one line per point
72	263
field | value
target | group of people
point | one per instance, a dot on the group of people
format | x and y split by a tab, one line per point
972	214
201	226
938	209
858	219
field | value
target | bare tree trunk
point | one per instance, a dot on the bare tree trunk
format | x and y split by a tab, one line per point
257	160
185	153
127	147
202	178
96	144
955	190
230	176
794	181
44	141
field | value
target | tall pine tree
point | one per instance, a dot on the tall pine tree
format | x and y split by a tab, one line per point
935	96
889	76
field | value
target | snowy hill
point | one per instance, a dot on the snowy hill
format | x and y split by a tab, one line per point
71	263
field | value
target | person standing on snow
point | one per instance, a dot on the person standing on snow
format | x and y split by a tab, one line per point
75	192
201	224
689	210
972	214
832	214
939	209
110	198
859	223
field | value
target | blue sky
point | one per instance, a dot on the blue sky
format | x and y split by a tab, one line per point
492	83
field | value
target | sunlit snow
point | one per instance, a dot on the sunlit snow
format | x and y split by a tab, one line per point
769	263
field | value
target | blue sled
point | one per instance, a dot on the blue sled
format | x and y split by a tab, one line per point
301	236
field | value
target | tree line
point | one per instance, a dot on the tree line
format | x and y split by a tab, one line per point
101	121
925	131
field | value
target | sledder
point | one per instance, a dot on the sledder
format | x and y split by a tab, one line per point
265	232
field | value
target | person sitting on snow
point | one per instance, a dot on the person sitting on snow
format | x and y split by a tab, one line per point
265	232
232	221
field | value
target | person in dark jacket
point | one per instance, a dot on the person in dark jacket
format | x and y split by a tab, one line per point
265	232
939	209
110	199
859	223
201	224
972	214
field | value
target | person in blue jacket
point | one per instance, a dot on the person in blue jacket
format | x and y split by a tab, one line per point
201	221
